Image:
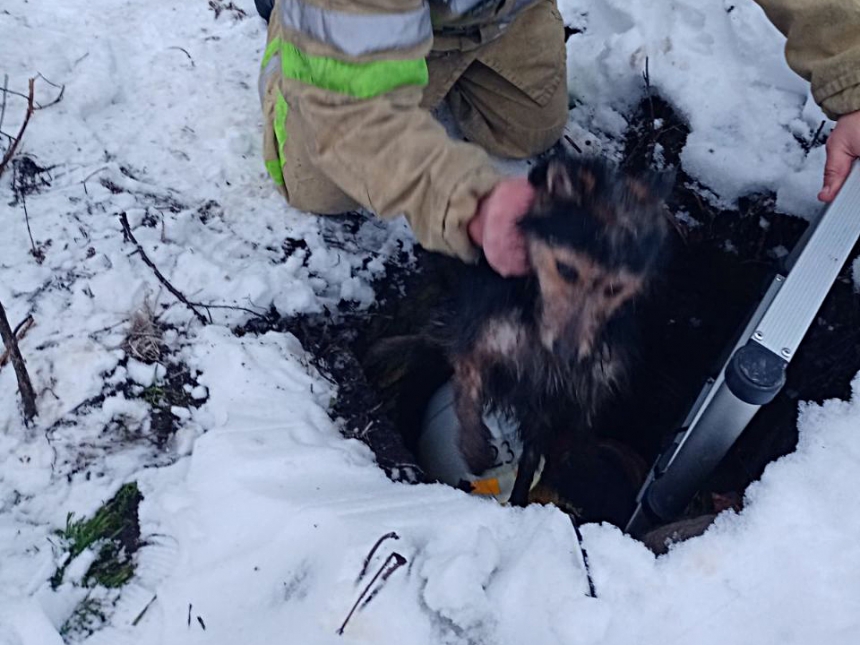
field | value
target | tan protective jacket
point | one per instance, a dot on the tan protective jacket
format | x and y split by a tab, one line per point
823	47
350	74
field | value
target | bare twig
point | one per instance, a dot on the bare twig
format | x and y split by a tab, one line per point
59	98
387	570
123	219
90	176
591	592
22	327
811	143
145	609
36	104
3	106
392	563
19	94
188	303
19	332
387	536
50	82
40	256
233	307
184	51
11	151
25	386
647	76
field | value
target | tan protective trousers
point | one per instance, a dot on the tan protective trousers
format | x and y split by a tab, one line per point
508	96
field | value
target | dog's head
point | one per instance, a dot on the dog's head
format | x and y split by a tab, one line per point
594	235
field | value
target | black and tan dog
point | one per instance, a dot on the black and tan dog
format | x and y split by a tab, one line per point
549	350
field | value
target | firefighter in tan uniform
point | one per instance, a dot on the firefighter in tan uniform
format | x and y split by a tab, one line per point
347	87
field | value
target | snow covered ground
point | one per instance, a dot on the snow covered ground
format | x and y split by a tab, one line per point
257	516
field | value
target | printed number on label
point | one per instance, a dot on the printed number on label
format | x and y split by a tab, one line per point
508	458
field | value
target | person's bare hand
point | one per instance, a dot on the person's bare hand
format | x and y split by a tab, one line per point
494	227
843	147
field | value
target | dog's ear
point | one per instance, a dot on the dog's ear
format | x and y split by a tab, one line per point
650	188
559	183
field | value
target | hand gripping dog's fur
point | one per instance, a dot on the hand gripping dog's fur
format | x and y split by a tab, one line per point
555	341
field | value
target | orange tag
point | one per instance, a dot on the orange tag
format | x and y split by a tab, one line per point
486	487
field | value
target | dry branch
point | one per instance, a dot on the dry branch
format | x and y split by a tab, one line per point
585	564
3	105
59	98
14	146
36	104
388	536
392	563
19	333
25	386
191	305
184	51
815	137
21	193
123	219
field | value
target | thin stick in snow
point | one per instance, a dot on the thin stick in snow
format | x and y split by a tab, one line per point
387	570
815	138
3	105
145	609
123	219
126	229
591	592
11	151
59	98
185	51
36	253
363	572
647	76
25	386
392	563
36	104
19	332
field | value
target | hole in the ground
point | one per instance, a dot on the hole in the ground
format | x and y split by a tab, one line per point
718	265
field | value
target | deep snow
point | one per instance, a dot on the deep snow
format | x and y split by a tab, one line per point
259	514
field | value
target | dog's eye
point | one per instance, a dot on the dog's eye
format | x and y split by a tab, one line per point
612	289
567	271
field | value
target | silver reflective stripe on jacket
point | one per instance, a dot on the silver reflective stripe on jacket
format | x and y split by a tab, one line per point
462	7
271	68
356	34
